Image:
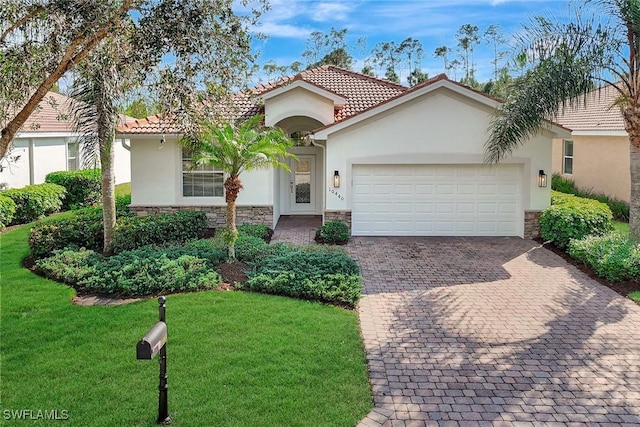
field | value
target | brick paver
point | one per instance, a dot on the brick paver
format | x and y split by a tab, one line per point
493	331
298	229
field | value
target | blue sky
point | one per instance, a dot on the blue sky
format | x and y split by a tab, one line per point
434	22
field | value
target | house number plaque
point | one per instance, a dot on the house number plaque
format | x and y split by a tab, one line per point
338	195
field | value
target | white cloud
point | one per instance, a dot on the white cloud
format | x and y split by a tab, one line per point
329	12
274	29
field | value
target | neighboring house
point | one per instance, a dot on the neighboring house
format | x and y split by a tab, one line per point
596	155
48	143
385	159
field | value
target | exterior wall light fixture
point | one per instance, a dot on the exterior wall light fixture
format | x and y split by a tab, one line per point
336	179
542	178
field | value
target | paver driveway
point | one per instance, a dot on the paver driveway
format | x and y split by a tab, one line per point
493	331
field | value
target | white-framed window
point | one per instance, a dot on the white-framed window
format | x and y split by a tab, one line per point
567	157
202	181
72	155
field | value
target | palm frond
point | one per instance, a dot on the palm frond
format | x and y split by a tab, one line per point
569	61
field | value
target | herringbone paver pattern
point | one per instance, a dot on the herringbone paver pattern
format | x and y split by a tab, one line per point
494	331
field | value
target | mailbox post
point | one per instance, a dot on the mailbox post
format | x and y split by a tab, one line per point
155	342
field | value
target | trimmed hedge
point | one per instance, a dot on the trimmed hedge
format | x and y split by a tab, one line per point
82	229
35	201
612	256
137	231
619	208
321	276
7	210
138	273
572	217
84	187
334	232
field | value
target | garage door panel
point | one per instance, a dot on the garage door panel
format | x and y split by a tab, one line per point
437	200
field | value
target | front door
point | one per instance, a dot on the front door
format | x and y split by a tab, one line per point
302	184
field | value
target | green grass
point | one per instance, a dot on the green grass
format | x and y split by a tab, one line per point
621	227
123	189
635	295
234	358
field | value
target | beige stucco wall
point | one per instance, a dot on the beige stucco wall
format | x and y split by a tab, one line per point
600	163
440	127
298	102
157	177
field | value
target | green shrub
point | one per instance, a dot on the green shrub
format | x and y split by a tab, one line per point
562	184
335	232
612	256
256	230
321	276
82	229
143	272
122	205
7	210
251	249
574	218
619	208
35	201
137	231
83	187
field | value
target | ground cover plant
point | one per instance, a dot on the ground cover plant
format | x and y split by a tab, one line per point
235	358
612	256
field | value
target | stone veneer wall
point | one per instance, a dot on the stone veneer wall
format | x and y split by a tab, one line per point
532	224
344	216
216	215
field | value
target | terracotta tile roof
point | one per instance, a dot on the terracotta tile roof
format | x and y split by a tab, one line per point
360	91
598	113
52	115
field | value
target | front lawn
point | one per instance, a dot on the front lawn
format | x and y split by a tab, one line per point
234	358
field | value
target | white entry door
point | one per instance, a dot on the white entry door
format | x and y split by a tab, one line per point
302	184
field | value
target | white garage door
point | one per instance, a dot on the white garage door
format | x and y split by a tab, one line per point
436	200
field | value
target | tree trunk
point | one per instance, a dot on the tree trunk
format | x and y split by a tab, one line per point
631	116
232	185
108	191
634	201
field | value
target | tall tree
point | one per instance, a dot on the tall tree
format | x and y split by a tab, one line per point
328	49
468	39
568	60
386	56
443	52
41	40
495	39
235	148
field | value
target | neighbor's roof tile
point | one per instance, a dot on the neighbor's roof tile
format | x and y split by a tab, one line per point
595	112
360	91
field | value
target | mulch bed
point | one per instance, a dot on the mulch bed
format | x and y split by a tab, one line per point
623	288
232	273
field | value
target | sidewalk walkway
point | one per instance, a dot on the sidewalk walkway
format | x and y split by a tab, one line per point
296	229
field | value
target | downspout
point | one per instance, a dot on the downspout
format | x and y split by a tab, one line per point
32	162
324	168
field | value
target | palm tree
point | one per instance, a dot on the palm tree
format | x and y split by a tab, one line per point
235	148
98	84
569	60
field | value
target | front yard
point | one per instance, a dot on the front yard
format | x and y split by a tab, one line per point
234	358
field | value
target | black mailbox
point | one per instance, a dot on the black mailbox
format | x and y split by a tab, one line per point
155	342
151	343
